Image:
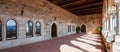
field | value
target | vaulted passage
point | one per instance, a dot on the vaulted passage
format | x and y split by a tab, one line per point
71	43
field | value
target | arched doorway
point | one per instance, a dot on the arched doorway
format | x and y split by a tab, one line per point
83	28
54	30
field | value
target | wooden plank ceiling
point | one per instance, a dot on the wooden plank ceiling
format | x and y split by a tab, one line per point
80	7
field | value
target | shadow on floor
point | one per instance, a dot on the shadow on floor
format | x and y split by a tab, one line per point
72	43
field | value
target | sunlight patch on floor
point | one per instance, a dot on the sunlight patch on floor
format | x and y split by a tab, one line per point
85	46
90	38
67	48
88	41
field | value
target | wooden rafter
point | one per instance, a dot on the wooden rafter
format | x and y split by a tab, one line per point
67	2
78	6
86	6
90	9
90	12
82	3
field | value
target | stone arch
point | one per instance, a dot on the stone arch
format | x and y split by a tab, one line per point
54	30
83	28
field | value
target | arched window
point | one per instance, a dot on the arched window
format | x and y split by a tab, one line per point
73	27
114	23
11	29
38	29
70	28
0	31
29	29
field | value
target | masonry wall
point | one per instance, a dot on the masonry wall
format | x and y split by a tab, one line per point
91	22
34	10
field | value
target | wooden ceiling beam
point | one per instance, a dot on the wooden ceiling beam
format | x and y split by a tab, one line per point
82	3
67	2
80	7
88	9
88	13
85	6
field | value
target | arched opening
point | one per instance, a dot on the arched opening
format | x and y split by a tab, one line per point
0	31
38	28
114	25
11	29
54	30
83	28
29	29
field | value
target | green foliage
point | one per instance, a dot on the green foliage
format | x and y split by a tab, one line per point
99	29
77	29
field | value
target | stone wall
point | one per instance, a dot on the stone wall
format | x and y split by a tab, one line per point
91	22
34	10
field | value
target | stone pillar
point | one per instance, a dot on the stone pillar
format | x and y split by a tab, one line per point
4	31
107	27
118	19
34	29
103	27
111	23
108	24
118	23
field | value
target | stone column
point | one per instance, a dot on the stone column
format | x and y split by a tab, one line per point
34	29
118	23
118	18
111	23
103	27
4	30
108	25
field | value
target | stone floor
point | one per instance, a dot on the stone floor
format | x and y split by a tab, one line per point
72	43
